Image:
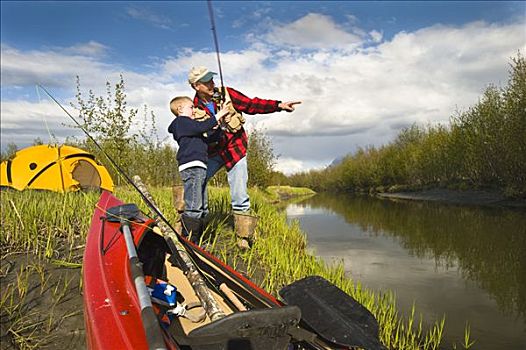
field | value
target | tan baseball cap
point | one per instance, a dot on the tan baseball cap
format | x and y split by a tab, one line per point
201	74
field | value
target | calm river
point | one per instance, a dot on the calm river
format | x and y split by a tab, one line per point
467	263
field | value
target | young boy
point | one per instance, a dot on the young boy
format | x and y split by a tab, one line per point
193	137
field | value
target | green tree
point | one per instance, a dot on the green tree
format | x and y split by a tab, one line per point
10	151
278	178
484	146
514	139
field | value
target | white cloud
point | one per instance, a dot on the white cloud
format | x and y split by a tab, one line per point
241	64
416	76
290	165
54	67
376	36
23	122
145	15
313	31
350	98
91	48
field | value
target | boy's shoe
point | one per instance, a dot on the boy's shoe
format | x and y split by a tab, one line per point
192	228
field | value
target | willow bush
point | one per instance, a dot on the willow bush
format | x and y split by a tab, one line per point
260	159
482	147
131	141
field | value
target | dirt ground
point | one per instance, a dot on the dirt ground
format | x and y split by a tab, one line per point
483	198
41	303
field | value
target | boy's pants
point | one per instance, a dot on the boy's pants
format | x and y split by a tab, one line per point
194	182
237	180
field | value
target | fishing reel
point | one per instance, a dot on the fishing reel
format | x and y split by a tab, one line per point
218	97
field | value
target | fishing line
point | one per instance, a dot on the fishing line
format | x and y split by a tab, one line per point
127	178
114	164
52	138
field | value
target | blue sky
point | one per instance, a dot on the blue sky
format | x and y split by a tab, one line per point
363	70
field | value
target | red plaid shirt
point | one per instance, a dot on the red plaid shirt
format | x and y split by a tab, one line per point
233	147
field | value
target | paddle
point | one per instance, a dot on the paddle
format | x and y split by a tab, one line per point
124	214
333	314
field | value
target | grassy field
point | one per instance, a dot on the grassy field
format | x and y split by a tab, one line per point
42	242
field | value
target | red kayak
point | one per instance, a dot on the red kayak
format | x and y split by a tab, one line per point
140	293
111	304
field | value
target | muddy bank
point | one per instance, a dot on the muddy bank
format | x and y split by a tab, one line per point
472	197
41	303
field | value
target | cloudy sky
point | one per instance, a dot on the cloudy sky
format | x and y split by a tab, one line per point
364	70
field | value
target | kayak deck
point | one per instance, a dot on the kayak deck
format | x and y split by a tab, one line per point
176	277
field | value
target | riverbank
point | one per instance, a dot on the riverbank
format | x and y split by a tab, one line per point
282	193
471	197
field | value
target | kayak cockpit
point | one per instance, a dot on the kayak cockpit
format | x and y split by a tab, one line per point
266	328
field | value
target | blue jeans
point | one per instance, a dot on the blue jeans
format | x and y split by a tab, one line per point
194	182
237	180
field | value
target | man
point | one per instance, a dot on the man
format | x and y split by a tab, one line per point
231	149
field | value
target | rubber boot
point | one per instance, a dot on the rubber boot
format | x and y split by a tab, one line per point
192	228
178	198
245	227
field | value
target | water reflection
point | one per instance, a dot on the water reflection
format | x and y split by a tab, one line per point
486	246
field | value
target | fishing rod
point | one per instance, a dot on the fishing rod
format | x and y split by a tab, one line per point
209	303
113	163
216	43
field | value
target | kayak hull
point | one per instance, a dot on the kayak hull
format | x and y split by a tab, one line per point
111	306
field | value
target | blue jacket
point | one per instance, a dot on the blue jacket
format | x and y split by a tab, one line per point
193	145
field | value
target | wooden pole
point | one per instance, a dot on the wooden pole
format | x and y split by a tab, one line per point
210	305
